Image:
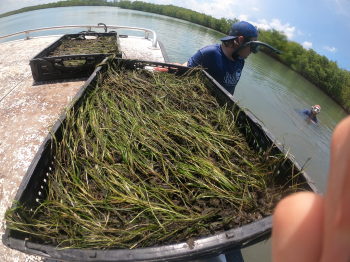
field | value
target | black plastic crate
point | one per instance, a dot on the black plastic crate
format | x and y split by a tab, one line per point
47	67
33	189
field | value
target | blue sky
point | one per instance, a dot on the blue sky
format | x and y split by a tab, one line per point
323	25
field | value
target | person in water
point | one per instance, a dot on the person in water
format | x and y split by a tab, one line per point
316	109
217	59
312	228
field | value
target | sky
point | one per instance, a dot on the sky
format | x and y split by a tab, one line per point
323	25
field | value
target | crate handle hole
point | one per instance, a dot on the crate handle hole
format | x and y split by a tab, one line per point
77	62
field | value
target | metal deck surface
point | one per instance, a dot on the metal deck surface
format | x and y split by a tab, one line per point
28	108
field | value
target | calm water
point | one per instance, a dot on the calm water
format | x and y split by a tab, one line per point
272	92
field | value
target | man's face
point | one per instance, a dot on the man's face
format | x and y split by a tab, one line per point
315	110
245	52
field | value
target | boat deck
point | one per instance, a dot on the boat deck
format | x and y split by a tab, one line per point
28	108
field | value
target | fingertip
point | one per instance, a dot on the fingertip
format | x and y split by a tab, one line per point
295	207
297	228
338	182
337	212
341	133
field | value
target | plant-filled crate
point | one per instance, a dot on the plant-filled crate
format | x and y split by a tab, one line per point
151	166
74	55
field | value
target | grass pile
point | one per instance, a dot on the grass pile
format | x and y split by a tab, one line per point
149	159
82	45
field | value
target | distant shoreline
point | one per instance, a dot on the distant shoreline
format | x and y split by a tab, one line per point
317	69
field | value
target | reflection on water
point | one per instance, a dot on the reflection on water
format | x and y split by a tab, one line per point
272	92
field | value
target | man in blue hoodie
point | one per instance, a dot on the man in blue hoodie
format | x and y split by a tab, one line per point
217	59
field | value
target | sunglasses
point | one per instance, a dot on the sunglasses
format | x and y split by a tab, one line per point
316	109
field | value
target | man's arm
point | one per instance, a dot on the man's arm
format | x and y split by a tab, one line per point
195	60
305	111
184	64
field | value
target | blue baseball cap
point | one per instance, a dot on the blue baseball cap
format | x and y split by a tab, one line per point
241	28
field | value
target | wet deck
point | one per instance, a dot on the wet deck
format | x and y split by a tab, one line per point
28	108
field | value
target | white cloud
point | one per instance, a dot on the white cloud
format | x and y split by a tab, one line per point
330	49
341	7
262	24
263	21
275	24
243	17
255	9
289	32
307	45
216	8
299	32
